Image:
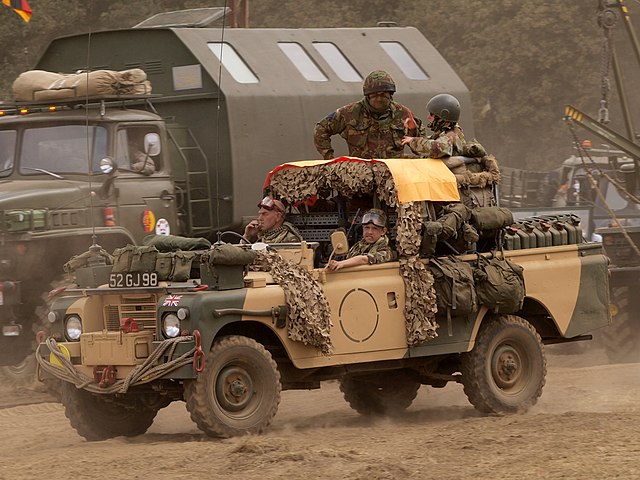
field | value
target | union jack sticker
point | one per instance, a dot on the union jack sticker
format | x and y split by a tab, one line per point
172	301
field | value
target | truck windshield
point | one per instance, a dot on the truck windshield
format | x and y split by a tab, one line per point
7	150
63	149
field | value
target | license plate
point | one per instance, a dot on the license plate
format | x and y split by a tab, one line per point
133	279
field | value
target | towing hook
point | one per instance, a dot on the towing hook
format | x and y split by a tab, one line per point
198	355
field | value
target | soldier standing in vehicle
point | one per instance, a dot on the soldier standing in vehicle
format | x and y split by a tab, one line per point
374	126
447	139
477	172
270	226
374	246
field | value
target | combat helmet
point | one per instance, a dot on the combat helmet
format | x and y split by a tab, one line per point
378	81
445	106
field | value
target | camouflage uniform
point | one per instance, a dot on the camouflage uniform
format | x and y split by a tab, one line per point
368	134
440	144
378	252
286	233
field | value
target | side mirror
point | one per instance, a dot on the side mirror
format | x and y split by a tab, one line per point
339	242
152	144
107	165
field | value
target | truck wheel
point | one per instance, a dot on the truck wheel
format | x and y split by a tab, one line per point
505	371
99	417
621	339
21	374
389	393
238	392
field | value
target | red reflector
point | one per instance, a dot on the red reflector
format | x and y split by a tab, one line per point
109	218
128	325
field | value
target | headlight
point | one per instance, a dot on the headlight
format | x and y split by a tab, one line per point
171	325
73	328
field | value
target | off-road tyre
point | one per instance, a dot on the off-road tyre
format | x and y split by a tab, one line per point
100	417
23	374
20	375
621	339
505	372
238	392
388	393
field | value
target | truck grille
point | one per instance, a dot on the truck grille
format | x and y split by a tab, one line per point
141	309
620	252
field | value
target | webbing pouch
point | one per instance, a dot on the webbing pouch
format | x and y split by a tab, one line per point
500	284
455	289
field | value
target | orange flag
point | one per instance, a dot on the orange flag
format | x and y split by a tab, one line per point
21	7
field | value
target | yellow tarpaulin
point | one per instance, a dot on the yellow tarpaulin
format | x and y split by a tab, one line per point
415	178
422	179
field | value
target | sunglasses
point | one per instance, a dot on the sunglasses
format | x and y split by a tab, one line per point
268	204
374	218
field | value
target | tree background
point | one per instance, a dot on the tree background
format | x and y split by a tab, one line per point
522	60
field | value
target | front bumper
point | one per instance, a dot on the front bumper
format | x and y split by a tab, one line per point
112	362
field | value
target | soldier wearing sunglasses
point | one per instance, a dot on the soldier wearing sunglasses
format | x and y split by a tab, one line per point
270	226
374	246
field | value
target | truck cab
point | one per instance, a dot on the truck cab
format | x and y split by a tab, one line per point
55	197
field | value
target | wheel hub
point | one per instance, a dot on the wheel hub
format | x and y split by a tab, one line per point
234	388
507	367
237	389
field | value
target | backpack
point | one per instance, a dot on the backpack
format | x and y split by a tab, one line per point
455	290
499	284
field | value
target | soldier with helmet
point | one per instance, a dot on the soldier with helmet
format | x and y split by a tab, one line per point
447	139
374	126
476	172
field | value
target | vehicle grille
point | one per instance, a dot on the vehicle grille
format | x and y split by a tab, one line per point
141	309
619	250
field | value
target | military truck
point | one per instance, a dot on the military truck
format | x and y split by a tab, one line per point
254	320
600	185
619	229
224	105
619	226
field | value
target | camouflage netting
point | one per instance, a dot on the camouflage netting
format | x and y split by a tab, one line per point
355	177
309	318
489	173
420	304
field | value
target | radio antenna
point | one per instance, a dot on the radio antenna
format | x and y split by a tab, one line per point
218	106
94	248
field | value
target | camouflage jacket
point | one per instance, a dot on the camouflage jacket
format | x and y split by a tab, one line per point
287	233
378	252
366	135
438	145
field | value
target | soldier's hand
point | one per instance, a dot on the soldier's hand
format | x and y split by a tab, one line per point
410	122
406	140
333	265
252	228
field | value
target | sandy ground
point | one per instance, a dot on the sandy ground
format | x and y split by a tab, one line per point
585	426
